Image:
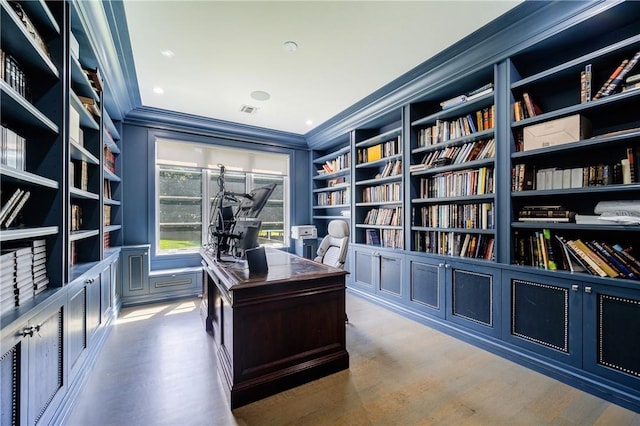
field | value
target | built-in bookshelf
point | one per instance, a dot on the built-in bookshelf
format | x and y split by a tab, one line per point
332	185
575	145
379	191
31	153
452	171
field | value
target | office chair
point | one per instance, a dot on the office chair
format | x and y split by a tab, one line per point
332	250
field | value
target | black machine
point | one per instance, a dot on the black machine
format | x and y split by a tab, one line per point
233	225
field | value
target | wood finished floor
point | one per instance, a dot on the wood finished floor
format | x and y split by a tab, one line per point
158	368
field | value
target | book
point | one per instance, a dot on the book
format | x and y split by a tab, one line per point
8	206
532	108
613	85
612	77
610	257
603	266
374	153
14	213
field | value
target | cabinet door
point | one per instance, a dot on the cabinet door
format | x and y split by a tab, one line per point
93	305
76	329
363	268
135	272
543	314
473	297
612	327
13	385
115	282
427	285
105	292
391	274
45	364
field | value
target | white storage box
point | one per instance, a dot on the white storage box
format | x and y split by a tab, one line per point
557	132
304	231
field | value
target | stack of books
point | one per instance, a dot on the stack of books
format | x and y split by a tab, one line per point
7	282
549	213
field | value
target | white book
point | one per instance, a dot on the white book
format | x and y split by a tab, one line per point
6	209
566	178
16	210
557	176
576	178
626	171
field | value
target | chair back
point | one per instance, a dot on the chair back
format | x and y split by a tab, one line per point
333	247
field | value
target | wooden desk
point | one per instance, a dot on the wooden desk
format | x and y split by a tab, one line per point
277	330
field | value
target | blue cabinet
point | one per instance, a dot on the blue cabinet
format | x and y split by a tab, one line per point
135	272
427	280
377	271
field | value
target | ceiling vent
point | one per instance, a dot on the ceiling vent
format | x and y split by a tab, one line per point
248	109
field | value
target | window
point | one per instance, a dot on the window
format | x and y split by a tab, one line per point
186	185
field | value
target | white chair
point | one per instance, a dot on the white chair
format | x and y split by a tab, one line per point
333	247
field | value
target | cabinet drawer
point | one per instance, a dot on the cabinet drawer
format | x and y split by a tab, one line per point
174	282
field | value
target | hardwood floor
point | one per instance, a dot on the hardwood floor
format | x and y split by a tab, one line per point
158	368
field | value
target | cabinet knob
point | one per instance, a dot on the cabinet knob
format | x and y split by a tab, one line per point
440	265
446	265
575	287
587	289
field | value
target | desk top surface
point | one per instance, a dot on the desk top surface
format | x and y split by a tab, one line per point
283	267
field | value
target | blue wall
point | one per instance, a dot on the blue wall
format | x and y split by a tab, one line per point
143	126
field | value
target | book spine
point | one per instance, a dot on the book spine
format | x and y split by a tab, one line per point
610	79
608	270
592	265
614	261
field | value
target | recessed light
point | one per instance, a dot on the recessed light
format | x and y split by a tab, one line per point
168	53
259	95
308	122
290	46
158	90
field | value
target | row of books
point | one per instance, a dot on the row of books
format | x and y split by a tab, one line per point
470	151
12	149
23	273
13	206
336	181
383	150
384	216
28	24
79	174
109	160
107	189
617	77
13	75
381	193
390	238
525	107
341	162
463	216
461	183
76	217
524	177
443	131
477	246
546	213
392	168
106	215
334	198
595	257
467	97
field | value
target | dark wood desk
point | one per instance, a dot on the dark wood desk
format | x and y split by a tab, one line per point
277	330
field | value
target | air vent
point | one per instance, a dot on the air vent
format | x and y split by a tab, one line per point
248	109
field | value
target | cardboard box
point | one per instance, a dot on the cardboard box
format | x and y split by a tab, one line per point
557	132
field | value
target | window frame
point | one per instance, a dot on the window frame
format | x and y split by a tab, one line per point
208	191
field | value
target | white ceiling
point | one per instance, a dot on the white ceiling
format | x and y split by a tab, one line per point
225	50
